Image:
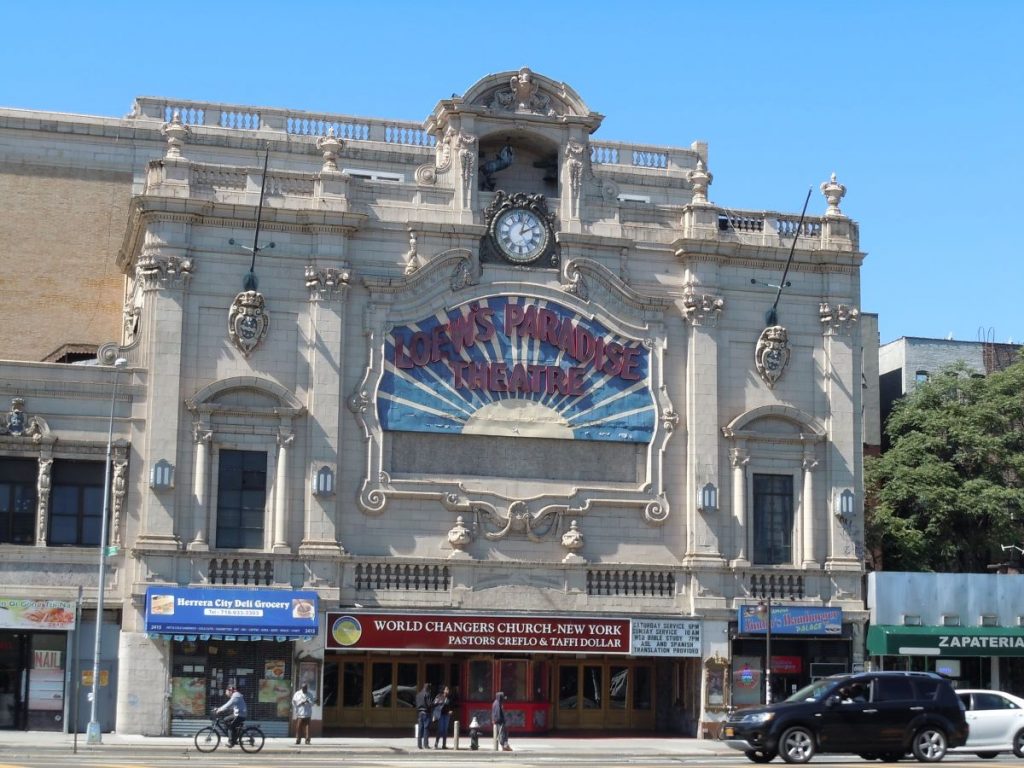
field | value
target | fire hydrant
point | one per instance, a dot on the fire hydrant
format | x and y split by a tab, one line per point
474	734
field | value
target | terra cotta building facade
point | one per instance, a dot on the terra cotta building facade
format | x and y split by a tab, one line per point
488	402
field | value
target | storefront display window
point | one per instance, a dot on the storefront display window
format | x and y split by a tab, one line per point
540	681
513	680
618	688
568	687
480	680
352	691
642	687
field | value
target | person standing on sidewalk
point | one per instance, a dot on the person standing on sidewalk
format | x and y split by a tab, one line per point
423	700
441	714
498	720
302	703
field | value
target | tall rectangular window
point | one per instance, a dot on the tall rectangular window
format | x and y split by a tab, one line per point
18	500
241	499
773	519
76	504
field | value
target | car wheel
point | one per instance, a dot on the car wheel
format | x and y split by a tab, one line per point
929	744
1018	743
796	745
988	755
757	756
891	757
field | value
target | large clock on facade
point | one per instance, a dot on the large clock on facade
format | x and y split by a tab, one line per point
519	231
520	235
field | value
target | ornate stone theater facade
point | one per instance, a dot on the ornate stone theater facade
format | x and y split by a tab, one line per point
481	401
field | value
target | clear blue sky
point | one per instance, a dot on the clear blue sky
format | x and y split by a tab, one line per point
917	106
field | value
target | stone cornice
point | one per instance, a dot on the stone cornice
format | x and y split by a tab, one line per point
146	209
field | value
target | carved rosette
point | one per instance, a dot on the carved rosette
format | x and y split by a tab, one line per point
702	308
176	133
154	270
833	192
700	179
326	283
838	319
247	321
574	154
772	354
329	145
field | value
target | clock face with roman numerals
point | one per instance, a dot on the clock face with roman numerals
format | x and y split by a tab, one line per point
521	235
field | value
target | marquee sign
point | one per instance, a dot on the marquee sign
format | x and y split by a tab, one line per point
520	367
226	611
523	634
791	620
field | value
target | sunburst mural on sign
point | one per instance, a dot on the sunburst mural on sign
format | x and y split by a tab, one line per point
516	366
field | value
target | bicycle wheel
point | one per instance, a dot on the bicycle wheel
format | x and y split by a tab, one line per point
207	739
252	739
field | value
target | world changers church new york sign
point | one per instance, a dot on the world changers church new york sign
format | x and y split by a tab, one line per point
516	366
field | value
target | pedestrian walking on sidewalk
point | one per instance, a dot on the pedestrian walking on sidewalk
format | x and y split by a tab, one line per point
302	703
498	720
423	700
441	714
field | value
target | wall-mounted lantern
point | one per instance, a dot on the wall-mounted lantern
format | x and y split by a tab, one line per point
161	475
323	481
844	506
707	501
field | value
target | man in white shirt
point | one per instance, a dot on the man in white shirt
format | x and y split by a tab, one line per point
302	703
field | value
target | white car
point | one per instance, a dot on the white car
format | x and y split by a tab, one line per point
996	720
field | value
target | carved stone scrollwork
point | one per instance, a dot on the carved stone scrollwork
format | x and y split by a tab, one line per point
838	319
657	512
517	520
17	424
159	271
326	283
575	284
131	318
176	133
772	354
462	275
669	419
523	95
119	482
247	321
702	308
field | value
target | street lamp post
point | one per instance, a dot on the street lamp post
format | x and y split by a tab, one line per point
94	733
766	607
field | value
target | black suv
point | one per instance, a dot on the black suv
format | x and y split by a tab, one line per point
877	715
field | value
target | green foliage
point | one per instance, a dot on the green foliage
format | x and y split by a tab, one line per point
950	490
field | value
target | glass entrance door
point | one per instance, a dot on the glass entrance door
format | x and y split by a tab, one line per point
602	694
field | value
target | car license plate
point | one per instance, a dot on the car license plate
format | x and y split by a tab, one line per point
727	733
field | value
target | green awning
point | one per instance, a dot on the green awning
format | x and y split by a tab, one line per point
893	640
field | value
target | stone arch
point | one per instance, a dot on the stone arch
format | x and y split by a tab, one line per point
565	100
746	424
209	394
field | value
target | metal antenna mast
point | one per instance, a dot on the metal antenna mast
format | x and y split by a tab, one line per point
250	282
771	317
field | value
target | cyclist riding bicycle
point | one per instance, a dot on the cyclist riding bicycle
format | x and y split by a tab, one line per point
234	721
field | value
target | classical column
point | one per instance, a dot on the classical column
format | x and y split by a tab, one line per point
704	527
203	436
739	459
284	442
810	559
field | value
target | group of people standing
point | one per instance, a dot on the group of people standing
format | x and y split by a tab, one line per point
436	712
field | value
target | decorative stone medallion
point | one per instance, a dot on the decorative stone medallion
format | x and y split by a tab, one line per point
772	354
247	321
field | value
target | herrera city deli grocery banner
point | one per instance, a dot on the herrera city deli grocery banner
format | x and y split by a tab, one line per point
548	634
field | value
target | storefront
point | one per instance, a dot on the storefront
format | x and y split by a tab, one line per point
34	663
239	637
974	657
557	672
806	643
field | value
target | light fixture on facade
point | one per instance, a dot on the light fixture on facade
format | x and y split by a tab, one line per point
708	499
161	475
323	481
844	506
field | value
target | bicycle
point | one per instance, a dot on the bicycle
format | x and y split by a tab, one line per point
208	738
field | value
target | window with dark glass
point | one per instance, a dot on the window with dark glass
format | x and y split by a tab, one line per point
241	499
18	500
773	519
76	503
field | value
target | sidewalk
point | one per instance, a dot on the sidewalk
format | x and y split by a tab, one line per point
20	742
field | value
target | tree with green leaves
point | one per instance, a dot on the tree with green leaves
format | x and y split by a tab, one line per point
949	493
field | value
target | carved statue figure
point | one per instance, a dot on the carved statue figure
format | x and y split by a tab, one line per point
487	170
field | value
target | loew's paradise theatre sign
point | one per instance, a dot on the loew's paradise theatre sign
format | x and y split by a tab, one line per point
532	634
